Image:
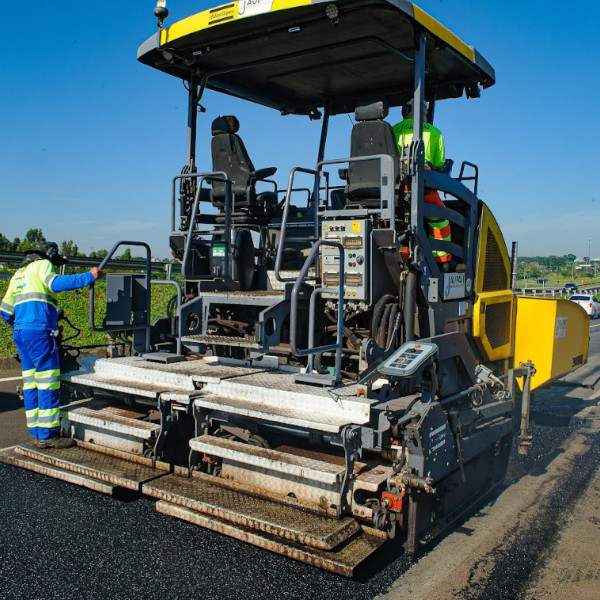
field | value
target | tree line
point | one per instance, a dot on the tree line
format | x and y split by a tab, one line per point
33	237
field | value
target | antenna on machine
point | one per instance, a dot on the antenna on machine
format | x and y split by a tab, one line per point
161	12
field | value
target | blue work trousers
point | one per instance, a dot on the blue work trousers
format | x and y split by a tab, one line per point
40	364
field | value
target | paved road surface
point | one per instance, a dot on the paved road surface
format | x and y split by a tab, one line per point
60	541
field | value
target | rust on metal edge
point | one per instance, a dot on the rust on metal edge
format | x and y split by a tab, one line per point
337	532
309	556
30	464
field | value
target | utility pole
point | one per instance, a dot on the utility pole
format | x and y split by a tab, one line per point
589	249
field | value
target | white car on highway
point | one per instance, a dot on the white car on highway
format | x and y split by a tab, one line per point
589	303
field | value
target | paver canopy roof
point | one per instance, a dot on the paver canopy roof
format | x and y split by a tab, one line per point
298	55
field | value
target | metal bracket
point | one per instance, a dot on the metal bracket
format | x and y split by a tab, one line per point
352	441
164	406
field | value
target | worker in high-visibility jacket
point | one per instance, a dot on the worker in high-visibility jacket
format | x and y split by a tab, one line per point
30	308
435	158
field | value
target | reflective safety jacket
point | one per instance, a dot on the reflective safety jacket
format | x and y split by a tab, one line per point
435	152
31	299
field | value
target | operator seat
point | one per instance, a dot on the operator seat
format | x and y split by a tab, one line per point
371	135
230	156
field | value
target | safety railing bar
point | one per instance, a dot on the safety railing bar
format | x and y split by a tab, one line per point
179	297
203	176
216	176
284	220
475	177
92	311
387	213
294	307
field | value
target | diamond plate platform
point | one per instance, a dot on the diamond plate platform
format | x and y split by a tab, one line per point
67	463
11	456
342	560
255	513
267	393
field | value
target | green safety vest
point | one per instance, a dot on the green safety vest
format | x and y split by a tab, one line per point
433	140
29	296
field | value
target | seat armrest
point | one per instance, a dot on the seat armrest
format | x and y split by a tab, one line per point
261	174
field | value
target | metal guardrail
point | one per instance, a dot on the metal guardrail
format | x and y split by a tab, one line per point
555	292
85	262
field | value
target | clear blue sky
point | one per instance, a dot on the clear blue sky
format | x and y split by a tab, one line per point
91	138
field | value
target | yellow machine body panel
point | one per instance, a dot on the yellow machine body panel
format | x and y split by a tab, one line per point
493	317
493	308
553	334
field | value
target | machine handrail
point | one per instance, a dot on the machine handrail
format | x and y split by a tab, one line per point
387	189
214	176
474	178
179	298
92	312
284	221
300	280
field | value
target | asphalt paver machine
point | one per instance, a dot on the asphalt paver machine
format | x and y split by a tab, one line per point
318	384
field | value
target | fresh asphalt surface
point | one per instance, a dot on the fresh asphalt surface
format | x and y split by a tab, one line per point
60	541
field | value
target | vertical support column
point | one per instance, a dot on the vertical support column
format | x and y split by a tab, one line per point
417	187
315	197
513	261
193	98
524	438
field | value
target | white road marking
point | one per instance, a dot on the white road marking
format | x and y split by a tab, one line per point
10	379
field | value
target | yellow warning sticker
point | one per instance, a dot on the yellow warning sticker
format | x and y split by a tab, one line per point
355	227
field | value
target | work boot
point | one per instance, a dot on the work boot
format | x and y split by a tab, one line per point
55	442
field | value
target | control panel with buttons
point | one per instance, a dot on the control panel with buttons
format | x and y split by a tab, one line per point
408	359
354	235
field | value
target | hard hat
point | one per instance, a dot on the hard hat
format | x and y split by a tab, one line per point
48	250
407	108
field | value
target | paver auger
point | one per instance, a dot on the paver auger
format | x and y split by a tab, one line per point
319	385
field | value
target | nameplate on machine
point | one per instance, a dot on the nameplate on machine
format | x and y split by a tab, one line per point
454	286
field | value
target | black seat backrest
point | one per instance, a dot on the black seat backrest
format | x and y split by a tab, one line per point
230	156
370	136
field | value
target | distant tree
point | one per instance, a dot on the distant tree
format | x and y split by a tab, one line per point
5	244
69	248
570	257
98	254
125	256
32	238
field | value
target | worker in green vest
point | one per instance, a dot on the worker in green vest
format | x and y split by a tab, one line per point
30	308
435	158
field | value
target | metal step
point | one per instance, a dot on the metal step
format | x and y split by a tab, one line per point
252	297
221	340
342	560
274	396
129	387
108	426
260	514
136	376
11	456
270	460
97	464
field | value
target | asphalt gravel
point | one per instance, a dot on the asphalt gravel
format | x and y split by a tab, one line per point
63	542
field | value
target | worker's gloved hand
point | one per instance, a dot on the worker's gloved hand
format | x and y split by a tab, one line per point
96	272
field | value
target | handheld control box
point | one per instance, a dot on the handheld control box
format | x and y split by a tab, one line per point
407	360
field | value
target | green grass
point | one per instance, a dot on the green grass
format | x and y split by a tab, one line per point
76	307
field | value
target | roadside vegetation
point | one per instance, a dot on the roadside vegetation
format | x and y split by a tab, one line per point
532	272
75	305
